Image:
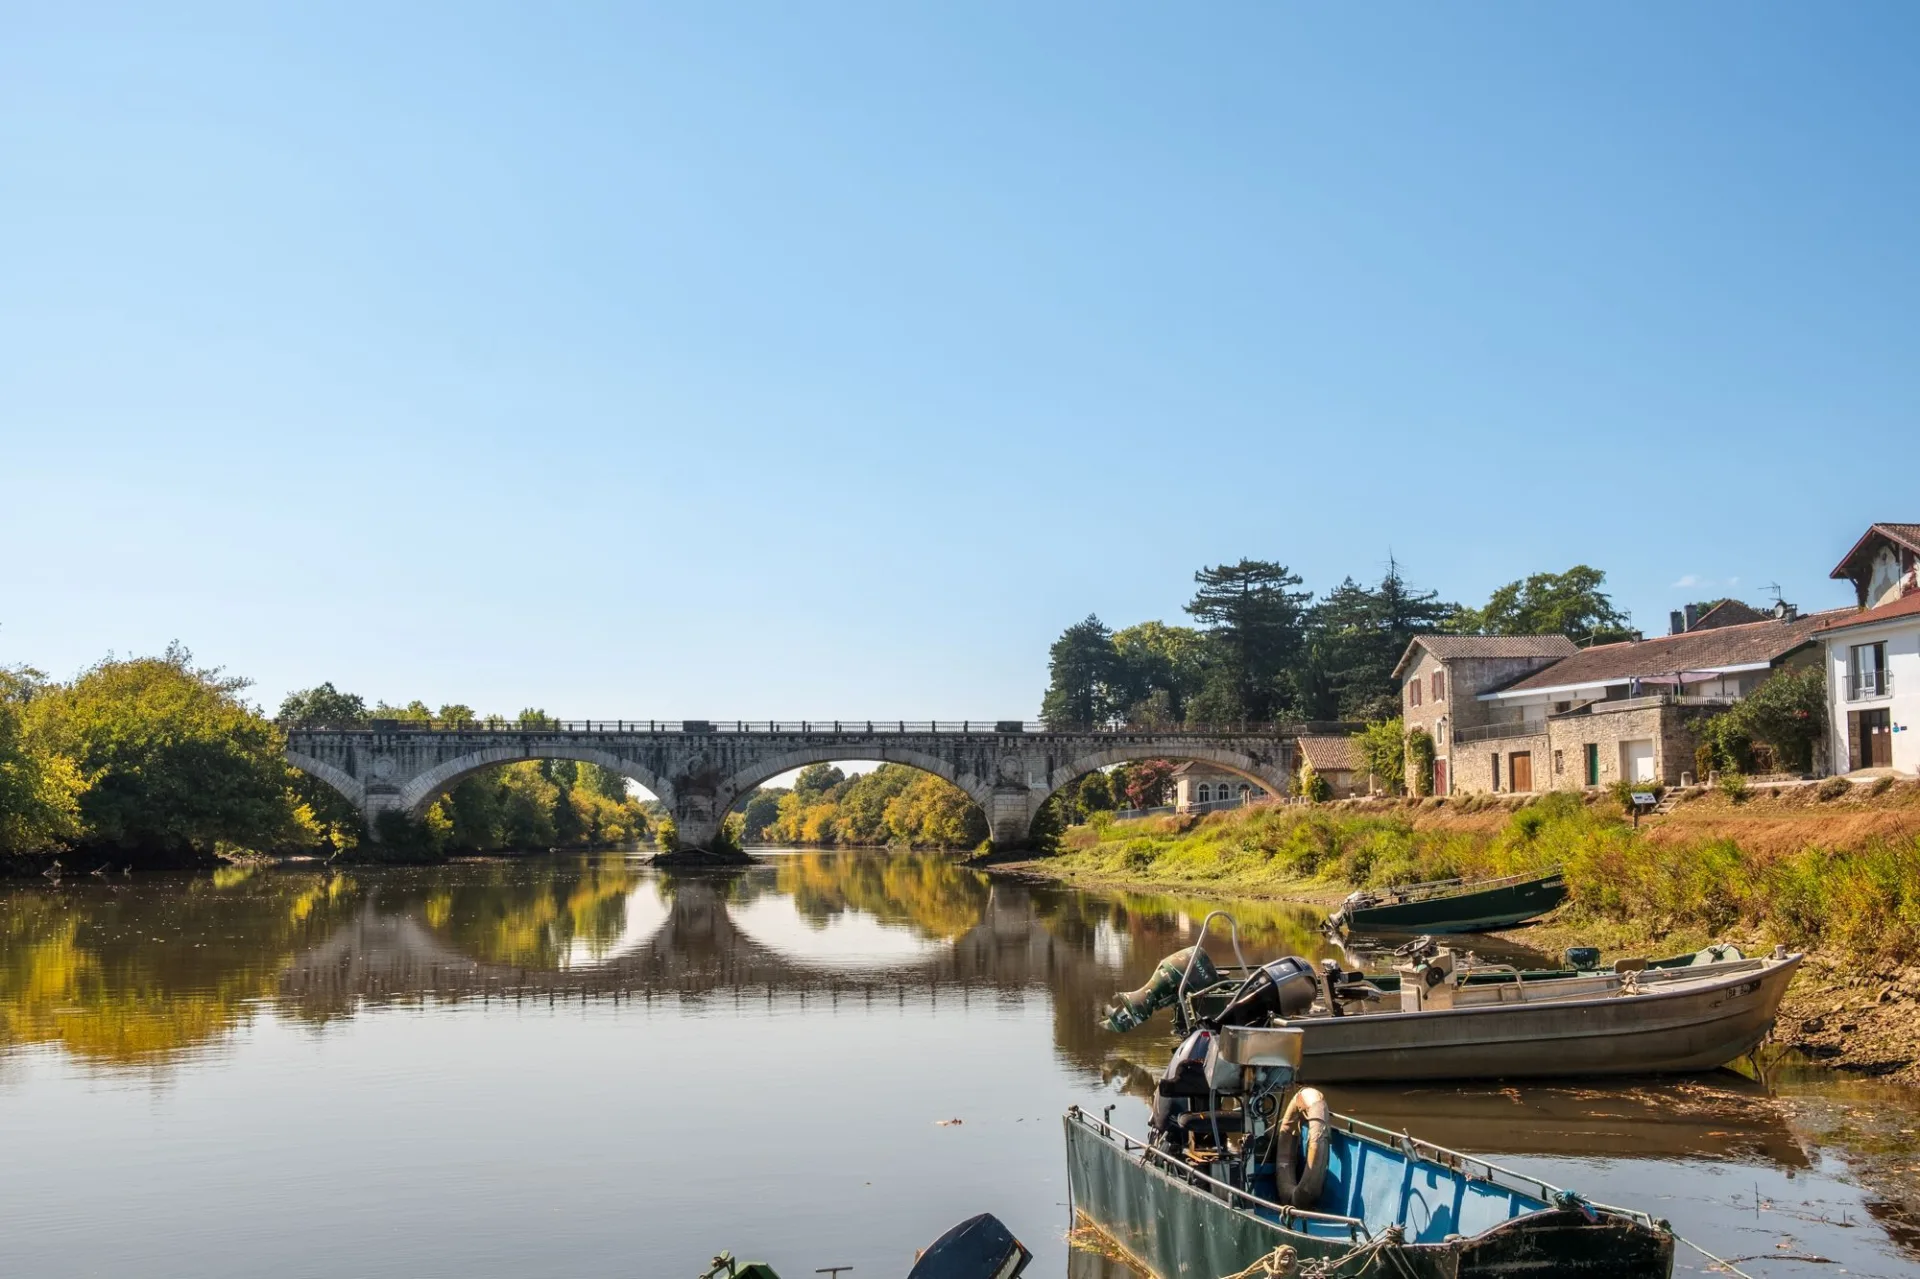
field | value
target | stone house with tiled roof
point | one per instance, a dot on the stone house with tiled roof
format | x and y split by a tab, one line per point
1630	710
1441	677
1334	759
1872	655
1575	717
1202	787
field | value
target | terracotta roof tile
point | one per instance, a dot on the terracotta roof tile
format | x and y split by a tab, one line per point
1710	649
1907	605
1449	647
1330	754
1907	535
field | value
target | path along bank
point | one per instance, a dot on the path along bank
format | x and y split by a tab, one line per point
1834	873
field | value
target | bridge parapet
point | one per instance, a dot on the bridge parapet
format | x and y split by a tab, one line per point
701	769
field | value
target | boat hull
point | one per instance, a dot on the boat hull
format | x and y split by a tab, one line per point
1175	1229
1473	912
1697	1026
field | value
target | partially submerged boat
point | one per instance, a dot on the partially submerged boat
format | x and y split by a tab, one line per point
1233	1181
981	1247
1450	905
1442	1015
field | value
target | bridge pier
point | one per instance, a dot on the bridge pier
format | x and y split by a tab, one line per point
696	819
1010	814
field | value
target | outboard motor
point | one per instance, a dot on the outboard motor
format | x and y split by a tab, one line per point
1284	988
1182	1084
978	1248
1162	989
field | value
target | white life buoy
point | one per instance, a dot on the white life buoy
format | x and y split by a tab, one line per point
1304	1146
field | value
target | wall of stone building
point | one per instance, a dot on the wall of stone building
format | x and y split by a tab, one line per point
1467	678
1673	730
1471	764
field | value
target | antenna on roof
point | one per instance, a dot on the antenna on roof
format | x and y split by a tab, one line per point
1775	588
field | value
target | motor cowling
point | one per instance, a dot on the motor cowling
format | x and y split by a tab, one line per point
1162	990
1286	987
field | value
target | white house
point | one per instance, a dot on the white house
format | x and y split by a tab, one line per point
1873	656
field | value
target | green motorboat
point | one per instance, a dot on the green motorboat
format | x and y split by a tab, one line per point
1450	905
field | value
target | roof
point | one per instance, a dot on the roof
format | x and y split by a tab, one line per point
1749	645
1329	754
1202	766
1449	647
1907	535
1727	613
1907	605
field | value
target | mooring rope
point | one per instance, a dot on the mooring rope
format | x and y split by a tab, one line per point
1722	1262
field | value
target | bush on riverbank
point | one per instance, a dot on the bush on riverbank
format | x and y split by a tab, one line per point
1863	898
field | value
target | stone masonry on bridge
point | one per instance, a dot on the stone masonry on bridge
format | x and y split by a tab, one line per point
700	770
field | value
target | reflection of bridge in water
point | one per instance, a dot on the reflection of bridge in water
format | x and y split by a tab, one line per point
698	950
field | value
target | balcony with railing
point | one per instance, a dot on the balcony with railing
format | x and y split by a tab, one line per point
1500	729
1864	686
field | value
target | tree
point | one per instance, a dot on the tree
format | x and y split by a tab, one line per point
39	788
1149	782
1356	636
1081	666
1787	713
1159	669
1382	747
1570	603
762	809
815	780
1094	794
1255	630
176	761
323	706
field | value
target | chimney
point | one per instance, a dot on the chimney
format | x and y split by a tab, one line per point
1676	622
1786	612
1693	615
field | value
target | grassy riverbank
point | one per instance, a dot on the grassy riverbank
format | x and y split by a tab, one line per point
1837	876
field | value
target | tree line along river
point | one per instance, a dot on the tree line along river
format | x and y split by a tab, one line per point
584	1066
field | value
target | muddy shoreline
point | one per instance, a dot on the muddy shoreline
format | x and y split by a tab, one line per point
1840	1014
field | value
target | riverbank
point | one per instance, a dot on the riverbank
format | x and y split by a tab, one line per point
1836	875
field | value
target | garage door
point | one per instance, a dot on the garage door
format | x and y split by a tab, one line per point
1636	760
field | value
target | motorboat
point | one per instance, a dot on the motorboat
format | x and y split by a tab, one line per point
1245	1173
1450	905
1446	1015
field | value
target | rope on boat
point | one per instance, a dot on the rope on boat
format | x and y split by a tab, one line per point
1284	1263
1720	1262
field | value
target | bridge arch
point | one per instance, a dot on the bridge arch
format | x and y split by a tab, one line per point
337	778
1272	779
417	792
742	783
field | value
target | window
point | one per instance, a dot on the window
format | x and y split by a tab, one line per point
1204	795
1559	764
1867	672
1413	691
1493	770
1439	686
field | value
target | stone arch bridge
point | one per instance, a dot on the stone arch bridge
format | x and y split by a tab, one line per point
701	769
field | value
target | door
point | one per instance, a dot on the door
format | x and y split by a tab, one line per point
1876	732
1593	763
1520	771
1636	760
1439	776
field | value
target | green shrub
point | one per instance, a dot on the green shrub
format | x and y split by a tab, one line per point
1833	788
1703	761
1733	784
1420	759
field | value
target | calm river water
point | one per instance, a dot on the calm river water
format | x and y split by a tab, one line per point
583	1067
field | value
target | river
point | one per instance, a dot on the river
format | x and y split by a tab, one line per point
580	1066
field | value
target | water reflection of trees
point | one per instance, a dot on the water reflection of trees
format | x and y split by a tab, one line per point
526	914
937	897
119	976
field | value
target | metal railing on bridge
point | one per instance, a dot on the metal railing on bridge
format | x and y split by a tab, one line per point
984	727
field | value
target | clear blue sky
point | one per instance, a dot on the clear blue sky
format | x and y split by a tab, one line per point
781	360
